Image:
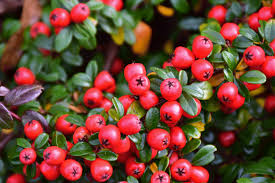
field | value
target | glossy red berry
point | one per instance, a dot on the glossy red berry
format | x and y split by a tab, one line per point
202	70
226	139
106	104
238	102
182	58
230	31
158	139
254	56
273	6
126	101
129	124
24	76
167	64
148	100
170	89
265	13
101	170
134	168
80	12
178	139
173	158
95	122
93	97
160	177
134	69
185	114
202	46
57	30
117	4
64	126
117	66
37	170
218	12
199	174
123	146
109	136
181	170
50	172
104	81
81	134
227	93
71	170
170	113
270	103
251	86
268	67
69	146
27	156
16	178
54	155
123	157
40	28
253	21
33	129
60	17
139	84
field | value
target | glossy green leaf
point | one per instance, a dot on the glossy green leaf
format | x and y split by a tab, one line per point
23	143
180	5
63	39
242	42
92	69
152	118
137	109
191	131
41	140
200	90
254	77
107	155
229	59
59	140
81	149
244	180
183	78
163	163
204	156
118	106
191	146
214	36
93	139
131	179
188	104
82	79
269	31
75	119
249	33
95	5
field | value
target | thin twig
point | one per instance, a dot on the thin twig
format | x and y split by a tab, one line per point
112	50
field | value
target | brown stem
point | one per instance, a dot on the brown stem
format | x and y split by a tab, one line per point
15	116
111	53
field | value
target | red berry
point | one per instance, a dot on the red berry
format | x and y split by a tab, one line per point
71	170
268	67
129	124
139	84
182	58
254	56
54	155
265	13
199	174
253	21
133	168
160	177
173	158
171	89
80	12
273	6
270	103
93	97
158	139
37	170
106	104
218	12
50	172
202	46
69	146
178	139
185	114
202	70
181	170
238	102
27	156
81	134
148	100
104	81
16	178
227	93
230	31
95	122
117	4
117	66
227	110
60	17
226	139
133	69
123	157
64	126
58	29
24	76
109	136
40	28
33	129
123	146
101	170
126	101
251	86
272	45
170	113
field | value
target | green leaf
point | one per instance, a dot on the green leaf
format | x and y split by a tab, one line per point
188	104
269	31
160	72
90	156
163	163
95	5
118	106
152	118
137	109
235	11
183	78
82	79
131	179
242	42
181	6
129	36
59	140
251	6
254	77
145	153
90	27
75	119
92	69
23	143
242	88
191	23
214	36
63	39
41	140
113	114
191	146
107	155
228	74
229	59
81	149
31	170
93	139
204	156
244	180
200	90
191	131
249	33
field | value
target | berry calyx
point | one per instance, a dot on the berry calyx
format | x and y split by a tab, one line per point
134	168
24	76
158	139
101	170
95	122
64	126
71	170
81	134
27	156
254	56
171	89
109	136
202	47
170	113
54	155
160	177
181	170
134	69
227	93
129	124
202	70
178	139
139	84
60	17
80	13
